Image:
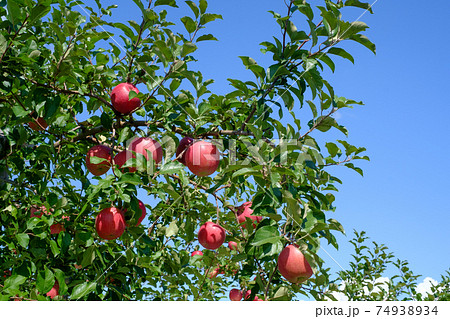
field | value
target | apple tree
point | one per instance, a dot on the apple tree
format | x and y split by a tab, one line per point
375	274
74	81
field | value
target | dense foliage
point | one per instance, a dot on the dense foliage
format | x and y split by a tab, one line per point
60	63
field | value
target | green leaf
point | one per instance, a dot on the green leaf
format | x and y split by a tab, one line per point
342	53
13	283
88	256
362	39
61	278
305	8
359	4
313	108
34	54
194	8
247	61
171	3
332	148
266	234
208	17
347	29
203	4
325	123
82	290
54	248
189	24
298	36
356	169
133	179
126	29
282	294
3	44
38	12
23	239
247	171
172	230
206	37
326	59
188	47
171	168
239	257
45	280
106	120
140	5
124	135
19	111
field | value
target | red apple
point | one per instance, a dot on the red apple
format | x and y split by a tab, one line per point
197	252
211	236
54	291
38	212
121	158
57	228
144	212
120	98
235	295
100	151
143	144
244	211
293	265
247	294
232	245
110	223
202	158
184	145
38	124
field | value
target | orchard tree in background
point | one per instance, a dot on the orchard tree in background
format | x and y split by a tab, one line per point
89	124
374	274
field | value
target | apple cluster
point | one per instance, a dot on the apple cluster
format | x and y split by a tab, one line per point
201	157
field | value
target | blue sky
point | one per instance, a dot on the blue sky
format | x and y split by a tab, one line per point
402	199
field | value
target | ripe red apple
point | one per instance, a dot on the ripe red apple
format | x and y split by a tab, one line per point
202	158
120	98
143	144
141	218
110	223
247	294
293	265
235	295
211	236
197	252
244	211
54	291
184	145
38	212
57	228
38	127
121	158
101	151
232	245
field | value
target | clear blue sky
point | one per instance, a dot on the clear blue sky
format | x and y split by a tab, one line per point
402	199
